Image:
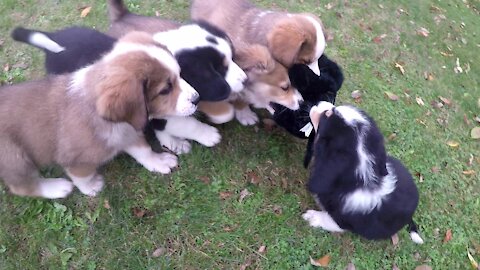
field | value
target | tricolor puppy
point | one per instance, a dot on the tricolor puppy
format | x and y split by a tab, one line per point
204	54
268	43
360	188
83	119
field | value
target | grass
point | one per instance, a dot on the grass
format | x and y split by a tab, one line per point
193	218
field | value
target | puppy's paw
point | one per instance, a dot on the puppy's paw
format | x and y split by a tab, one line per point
246	116
208	136
55	188
160	162
311	216
177	145
90	187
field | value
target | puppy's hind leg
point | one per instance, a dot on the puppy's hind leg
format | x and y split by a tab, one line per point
412	229
321	219
22	178
86	179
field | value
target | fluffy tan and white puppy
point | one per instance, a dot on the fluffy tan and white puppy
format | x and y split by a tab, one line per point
267	43
82	120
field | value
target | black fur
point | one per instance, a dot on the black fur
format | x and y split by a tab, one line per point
333	177
83	46
313	89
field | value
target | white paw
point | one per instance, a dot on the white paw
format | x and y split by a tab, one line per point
160	162
90	187
177	145
208	136
246	116
55	188
313	217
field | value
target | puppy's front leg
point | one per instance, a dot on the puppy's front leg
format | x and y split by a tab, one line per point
86	179
191	129
154	162
321	219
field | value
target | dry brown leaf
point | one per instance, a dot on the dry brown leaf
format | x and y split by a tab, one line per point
395	240
420	177
423	267
465	120
420	101
428	76
246	265
253	178
392	136
379	39
85	12
323	262
435	169
138	212
391	96
445	101
400	67
446	54
243	194
472	260
423	32
6	67
475	133
329	6
158	252
469	172
106	204
356	94
448	236
225	195
262	249
453	144
205	179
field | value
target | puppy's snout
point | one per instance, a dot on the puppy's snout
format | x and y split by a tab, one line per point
196	99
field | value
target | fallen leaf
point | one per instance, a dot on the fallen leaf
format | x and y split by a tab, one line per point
324	261
435	9
106	204
243	194
453	144
457	68
400	67
446	54
277	209
205	179
225	195
472	260
85	12
423	32
379	39
423	267
395	240
392	136
329	6
469	172
6	67
465	120
446	101
428	76
391	96
475	133
350	266
262	249
356	94
158	252
253	178
470	160
435	169
437	104
246	264
420	177
138	212
448	236
420	101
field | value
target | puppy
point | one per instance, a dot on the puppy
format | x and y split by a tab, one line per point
313	89
81	120
360	188
267	43
205	54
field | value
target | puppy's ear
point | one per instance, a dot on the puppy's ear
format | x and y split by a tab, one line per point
285	41
121	97
301	77
254	58
216	89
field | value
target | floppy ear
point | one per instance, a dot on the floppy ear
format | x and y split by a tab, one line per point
121	98
216	89
254	58
285	41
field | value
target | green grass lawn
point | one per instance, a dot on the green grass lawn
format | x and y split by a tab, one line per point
194	219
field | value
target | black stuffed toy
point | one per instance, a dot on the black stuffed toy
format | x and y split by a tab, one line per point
313	89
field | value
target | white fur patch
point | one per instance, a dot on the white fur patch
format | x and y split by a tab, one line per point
192	129
235	77
90	185
321	219
246	116
78	80
188	95
321	107
154	162
177	145
416	238
55	188
42	41
351	115
364	200
319	47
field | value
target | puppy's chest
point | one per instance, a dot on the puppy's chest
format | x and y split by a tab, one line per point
118	136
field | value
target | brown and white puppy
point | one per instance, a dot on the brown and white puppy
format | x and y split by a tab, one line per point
82	120
267	43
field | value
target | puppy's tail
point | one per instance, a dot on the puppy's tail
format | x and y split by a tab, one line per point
116	10
36	38
412	229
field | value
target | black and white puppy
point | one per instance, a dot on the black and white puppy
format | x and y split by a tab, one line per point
360	188
203	52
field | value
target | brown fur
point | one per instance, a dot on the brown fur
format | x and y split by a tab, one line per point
79	122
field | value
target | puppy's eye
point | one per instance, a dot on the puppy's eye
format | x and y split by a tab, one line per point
285	87
167	89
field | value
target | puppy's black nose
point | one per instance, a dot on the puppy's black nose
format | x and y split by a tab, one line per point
196	100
